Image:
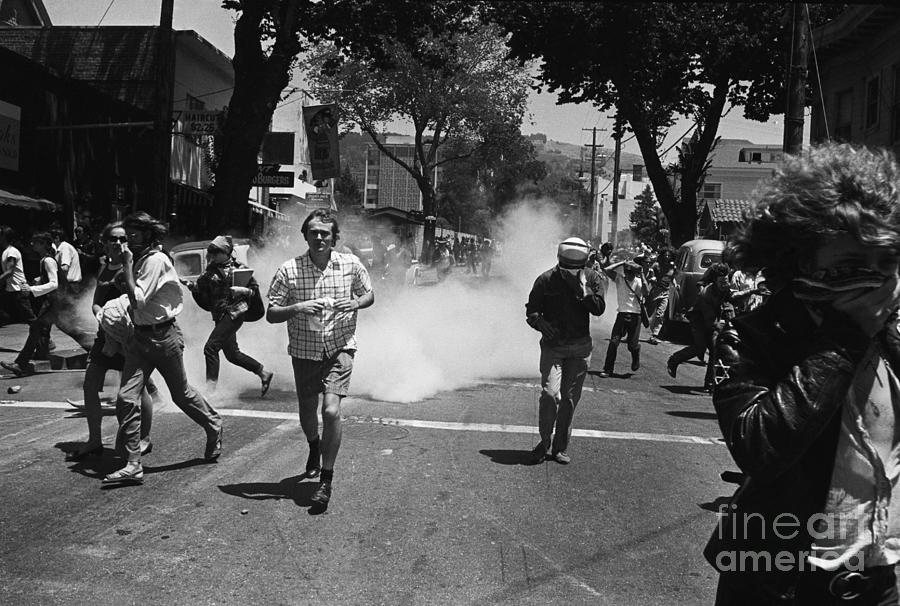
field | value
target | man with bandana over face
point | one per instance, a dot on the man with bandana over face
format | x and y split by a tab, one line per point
559	307
807	391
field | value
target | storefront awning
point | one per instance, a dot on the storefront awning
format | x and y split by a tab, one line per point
20	201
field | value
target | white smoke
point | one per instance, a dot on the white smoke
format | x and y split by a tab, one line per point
414	341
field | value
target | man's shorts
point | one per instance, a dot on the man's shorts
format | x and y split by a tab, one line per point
329	375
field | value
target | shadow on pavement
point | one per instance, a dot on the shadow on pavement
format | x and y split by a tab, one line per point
175	466
685	390
510	457
691	414
289	488
614	375
717	505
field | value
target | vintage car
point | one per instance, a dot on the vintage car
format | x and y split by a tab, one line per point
692	259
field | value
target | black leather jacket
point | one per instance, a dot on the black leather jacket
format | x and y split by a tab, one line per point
783	382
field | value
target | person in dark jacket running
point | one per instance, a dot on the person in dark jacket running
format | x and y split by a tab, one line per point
215	292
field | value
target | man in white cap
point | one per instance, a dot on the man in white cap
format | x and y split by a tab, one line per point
558	307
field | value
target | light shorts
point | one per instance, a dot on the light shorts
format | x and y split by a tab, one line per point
329	375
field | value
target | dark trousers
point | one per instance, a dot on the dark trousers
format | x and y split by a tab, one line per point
702	340
53	312
628	326
224	338
16	306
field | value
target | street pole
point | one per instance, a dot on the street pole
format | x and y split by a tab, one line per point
614	223
796	80
594	209
162	137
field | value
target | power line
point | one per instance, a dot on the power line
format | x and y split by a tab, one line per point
111	2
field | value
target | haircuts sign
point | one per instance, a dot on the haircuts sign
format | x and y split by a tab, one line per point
10	124
321	124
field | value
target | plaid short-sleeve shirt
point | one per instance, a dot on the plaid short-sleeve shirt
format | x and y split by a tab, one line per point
299	280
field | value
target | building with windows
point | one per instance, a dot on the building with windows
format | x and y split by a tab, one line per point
388	184
858	57
87	104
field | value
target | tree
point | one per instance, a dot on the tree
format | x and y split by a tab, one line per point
346	190
491	178
655	61
450	86
647	225
268	36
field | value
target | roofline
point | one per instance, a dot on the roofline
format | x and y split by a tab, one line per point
843	26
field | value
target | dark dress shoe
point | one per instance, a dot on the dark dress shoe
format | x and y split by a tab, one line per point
213	446
322	495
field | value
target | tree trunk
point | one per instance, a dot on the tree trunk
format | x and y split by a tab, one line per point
258	82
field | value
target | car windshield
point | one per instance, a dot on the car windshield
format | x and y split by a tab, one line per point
189	264
709	258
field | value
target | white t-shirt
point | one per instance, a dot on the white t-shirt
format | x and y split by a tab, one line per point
67	255
16	280
628	302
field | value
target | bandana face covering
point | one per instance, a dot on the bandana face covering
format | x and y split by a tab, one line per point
826	285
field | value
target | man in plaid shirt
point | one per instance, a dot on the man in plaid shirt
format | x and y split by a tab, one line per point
318	294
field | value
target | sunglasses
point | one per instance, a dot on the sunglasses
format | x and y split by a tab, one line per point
121	239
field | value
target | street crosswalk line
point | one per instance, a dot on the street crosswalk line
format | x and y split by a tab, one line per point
423	424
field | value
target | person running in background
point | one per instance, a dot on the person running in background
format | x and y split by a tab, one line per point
631	289
215	292
708	310
49	312
156	298
559	306
15	301
104	355
318	294
69	268
659	294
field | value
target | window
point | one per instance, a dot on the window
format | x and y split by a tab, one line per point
709	258
756	157
711	190
873	90
843	115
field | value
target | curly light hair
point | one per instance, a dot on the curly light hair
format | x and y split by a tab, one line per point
828	190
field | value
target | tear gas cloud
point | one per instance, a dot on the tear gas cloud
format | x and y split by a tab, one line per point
413	342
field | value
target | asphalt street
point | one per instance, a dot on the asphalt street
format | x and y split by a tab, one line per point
434	500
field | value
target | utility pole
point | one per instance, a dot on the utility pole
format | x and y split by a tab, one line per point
796	80
162	136
614	223
594	210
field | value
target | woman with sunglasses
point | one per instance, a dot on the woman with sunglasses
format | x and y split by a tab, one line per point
109	286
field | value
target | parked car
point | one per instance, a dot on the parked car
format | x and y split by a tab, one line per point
190	257
692	259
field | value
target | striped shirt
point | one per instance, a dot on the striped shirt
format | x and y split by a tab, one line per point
299	280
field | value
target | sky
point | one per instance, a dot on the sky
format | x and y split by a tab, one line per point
565	123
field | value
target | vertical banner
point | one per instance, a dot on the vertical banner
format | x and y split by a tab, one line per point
10	124
321	124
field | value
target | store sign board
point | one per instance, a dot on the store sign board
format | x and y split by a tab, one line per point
198	122
10	132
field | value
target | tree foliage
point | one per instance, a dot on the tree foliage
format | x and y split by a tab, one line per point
270	34
655	61
647	223
450	87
